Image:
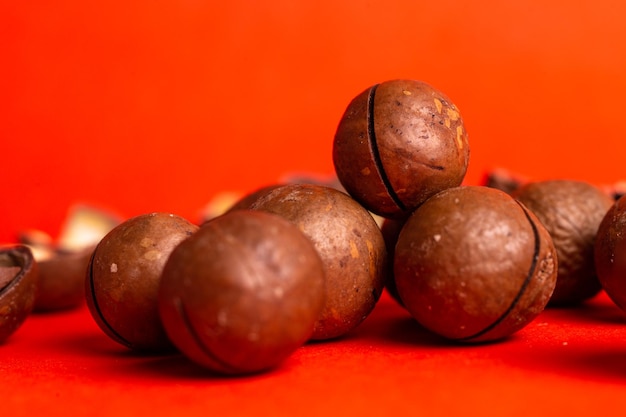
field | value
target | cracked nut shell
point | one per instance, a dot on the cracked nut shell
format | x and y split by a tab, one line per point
18	286
571	211
349	243
124	275
398	143
472	264
243	293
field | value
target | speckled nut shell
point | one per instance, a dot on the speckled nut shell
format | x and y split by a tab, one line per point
124	275
18	284
350	244
472	264
610	253
398	143
248	199
571	211
243	293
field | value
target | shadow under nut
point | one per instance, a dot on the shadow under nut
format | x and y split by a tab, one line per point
18	285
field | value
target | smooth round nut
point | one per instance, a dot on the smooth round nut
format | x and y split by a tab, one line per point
571	211
398	143
63	261
473	264
62	280
349	243
124	275
246	201
610	253
243	293
18	286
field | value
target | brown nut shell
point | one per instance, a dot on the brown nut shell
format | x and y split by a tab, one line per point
349	243
610	253
504	180
472	264
243	293
571	211
391	229
18	285
246	201
398	143
124	275
62	280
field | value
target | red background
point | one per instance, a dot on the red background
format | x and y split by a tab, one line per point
158	106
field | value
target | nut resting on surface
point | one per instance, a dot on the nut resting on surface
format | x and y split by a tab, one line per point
62	280
398	143
18	284
472	264
610	253
571	211
349	243
124	275
243	293
62	262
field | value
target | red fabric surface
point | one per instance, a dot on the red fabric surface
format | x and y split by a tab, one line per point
566	362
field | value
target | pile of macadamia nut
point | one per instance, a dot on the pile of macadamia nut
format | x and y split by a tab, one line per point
296	261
